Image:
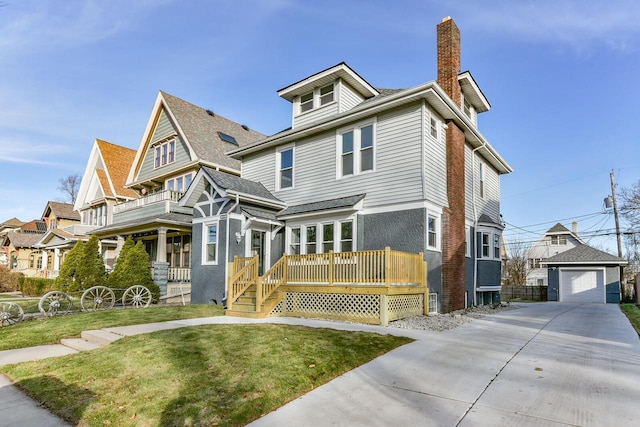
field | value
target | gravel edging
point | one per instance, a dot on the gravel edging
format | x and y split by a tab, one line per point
445	322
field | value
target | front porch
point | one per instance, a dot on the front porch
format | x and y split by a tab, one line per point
366	286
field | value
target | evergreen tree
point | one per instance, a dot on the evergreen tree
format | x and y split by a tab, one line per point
132	269
66	276
90	270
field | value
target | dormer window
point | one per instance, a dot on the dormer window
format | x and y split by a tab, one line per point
306	102
326	94
165	153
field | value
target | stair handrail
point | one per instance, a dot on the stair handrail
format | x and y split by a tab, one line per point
269	282
249	272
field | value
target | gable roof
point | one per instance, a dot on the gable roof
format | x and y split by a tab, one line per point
34	226
240	186
61	211
584	254
200	130
22	240
558	228
117	162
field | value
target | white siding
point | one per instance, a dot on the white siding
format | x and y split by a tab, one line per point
490	203
435	161
347	97
316	115
396	178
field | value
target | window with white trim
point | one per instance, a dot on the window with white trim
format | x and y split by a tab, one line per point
285	167
346	236
356	148
468	241
433	127
327	237
326	94
210	243
165	153
432	232
558	240
496	246
294	241
311	238
179	183
485	242
306	102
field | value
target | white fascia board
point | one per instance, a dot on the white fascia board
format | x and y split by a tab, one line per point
256	199
431	91
473	93
87	175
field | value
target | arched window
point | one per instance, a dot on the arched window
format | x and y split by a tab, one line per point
32	261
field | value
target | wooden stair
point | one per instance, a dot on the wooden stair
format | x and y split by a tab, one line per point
245	305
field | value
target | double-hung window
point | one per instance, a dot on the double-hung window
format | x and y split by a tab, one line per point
326	94
496	246
294	242
485	245
346	236
356	148
311	239
432	231
210	240
327	237
285	168
306	102
165	153
433	127
481	180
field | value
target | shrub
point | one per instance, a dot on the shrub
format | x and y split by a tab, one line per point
67	274
132	268
35	286
8	280
83	267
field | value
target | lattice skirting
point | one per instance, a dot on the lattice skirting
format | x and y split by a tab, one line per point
354	307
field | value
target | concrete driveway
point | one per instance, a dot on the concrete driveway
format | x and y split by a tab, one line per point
546	364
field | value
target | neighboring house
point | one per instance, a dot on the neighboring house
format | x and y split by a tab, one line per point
5	227
556	240
363	168
584	274
18	246
60	215
179	139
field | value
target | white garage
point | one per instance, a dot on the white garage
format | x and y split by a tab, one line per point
582	285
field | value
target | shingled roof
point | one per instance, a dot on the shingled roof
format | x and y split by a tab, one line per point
584	254
23	240
341	202
118	160
201	129
61	211
240	185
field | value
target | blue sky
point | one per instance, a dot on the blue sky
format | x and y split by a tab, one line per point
560	77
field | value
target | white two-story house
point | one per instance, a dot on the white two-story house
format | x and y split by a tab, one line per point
364	168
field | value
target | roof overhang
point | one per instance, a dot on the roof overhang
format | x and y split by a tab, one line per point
472	92
430	91
325	77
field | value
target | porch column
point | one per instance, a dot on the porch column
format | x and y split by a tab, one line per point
56	259
162	245
119	245
45	259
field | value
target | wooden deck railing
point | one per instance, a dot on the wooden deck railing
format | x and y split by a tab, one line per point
378	268
246	274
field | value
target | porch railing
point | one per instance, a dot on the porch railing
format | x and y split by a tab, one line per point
179	274
378	268
160	196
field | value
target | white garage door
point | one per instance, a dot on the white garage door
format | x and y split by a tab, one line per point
582	286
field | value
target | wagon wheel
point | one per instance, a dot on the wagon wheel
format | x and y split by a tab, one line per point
10	313
55	303
137	296
97	298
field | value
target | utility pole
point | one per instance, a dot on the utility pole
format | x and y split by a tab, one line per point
615	213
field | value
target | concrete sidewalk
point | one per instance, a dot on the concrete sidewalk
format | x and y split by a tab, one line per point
544	364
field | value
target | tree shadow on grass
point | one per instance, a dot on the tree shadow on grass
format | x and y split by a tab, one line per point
50	394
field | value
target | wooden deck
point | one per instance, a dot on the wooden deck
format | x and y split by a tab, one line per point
370	286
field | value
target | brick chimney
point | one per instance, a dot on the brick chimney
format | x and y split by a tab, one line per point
449	58
453	219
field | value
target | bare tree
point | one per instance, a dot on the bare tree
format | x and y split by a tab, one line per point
516	270
69	186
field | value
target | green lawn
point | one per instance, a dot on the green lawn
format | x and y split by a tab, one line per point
52	330
632	311
225	375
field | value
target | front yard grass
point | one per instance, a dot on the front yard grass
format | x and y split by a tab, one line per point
51	330
632	311
225	375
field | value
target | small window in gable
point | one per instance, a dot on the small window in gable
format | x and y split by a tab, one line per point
326	94
306	102
164	153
